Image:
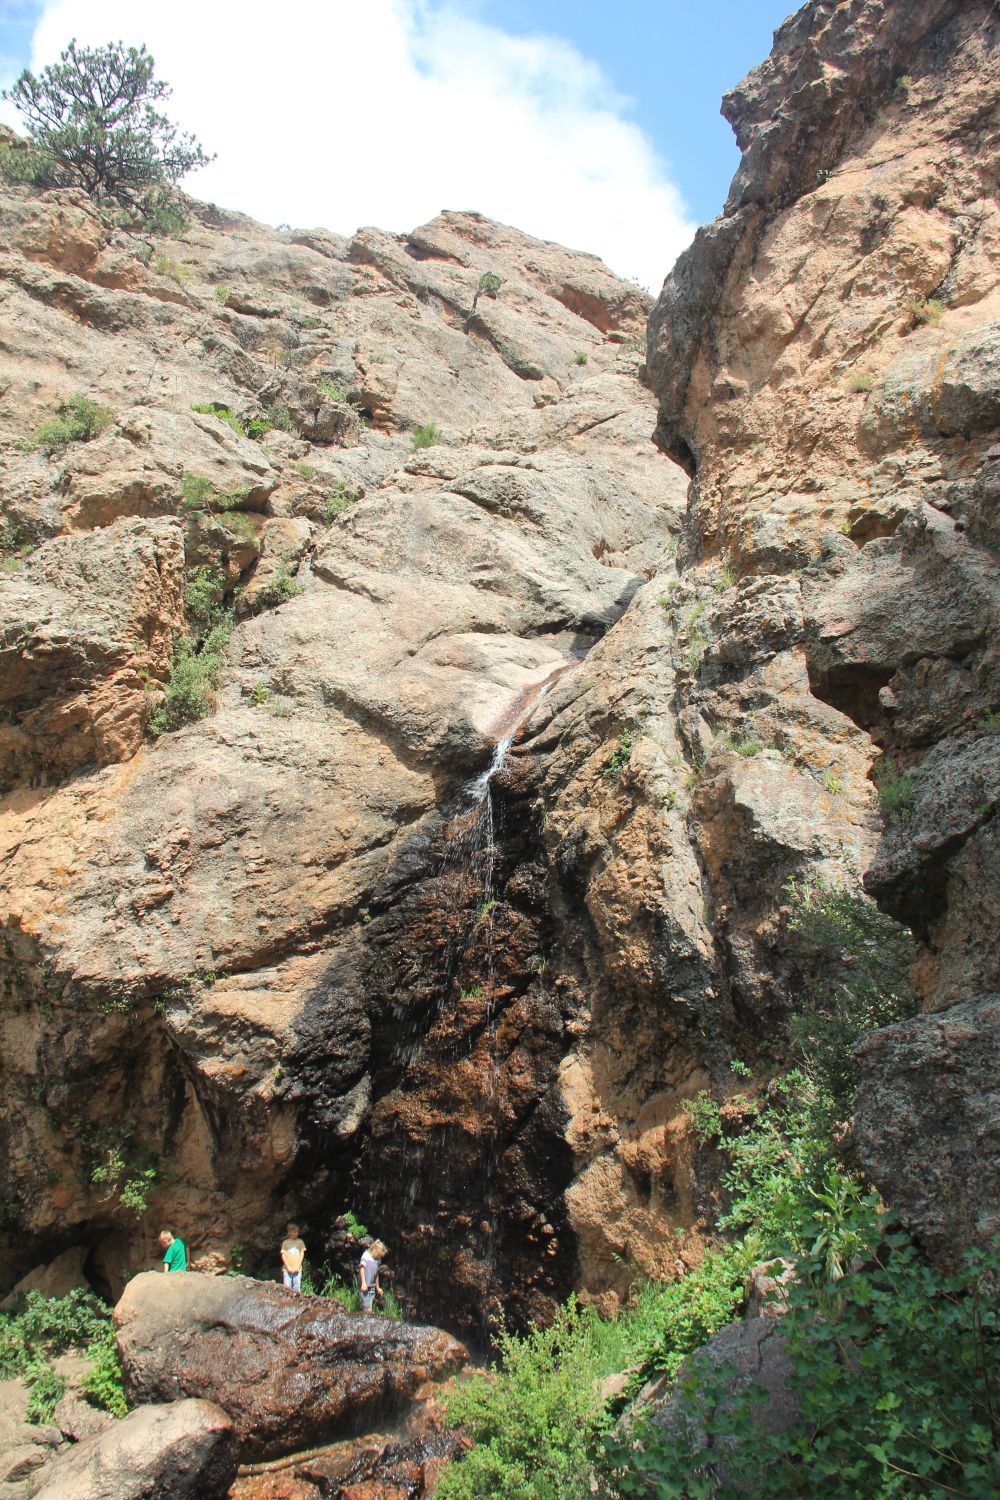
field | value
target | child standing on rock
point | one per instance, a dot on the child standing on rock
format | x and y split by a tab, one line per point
293	1253
368	1274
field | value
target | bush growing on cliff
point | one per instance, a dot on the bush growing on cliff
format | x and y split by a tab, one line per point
427	436
77	421
190	690
93	120
894	1367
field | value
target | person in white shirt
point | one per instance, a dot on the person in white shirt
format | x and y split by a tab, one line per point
368	1273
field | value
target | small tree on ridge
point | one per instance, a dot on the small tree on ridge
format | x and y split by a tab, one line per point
92	116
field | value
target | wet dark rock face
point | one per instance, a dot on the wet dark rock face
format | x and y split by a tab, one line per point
462	1163
289	1370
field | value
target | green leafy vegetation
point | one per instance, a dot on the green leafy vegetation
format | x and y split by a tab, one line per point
580	357
725	580
222	412
893	1360
112	1160
103	1385
354	1226
427	436
278	589
335	504
203	593
620	755
165	265
194	669
94	123
895	791
50	1326
221	293
747	745
280	417
334	391
308	472
861	382
77	420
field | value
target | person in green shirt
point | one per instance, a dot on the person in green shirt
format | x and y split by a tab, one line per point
175	1256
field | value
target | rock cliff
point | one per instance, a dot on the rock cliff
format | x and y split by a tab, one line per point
326	946
825	357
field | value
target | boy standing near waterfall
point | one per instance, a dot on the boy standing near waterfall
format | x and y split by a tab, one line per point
293	1253
368	1269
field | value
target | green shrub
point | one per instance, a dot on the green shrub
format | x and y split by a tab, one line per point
747	745
308	472
725	581
621	755
580	357
241	526
28	166
862	960
45	1389
280	417
223	412
354	1226
165	265
861	382
48	1326
706	1121
427	436
190	690
103	1385
927	310
221	294
78	421
895	791
278	589
893	1364
334	391
203	594
334	505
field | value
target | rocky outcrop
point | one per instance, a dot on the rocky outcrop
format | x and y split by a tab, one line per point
290	1371
186	1450
824	361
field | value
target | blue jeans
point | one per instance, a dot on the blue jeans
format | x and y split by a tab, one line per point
292	1279
367	1298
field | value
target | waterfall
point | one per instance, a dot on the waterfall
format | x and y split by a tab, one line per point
438	1141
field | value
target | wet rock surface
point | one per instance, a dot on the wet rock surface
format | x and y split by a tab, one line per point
289	1370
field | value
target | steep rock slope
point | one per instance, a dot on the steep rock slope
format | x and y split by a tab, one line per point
223	947
826	359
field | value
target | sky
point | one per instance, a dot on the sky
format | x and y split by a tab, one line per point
592	124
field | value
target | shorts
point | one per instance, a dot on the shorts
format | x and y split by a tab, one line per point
367	1300
292	1279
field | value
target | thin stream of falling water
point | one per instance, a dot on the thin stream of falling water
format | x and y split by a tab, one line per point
471	850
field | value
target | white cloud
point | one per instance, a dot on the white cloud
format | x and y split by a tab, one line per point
383	112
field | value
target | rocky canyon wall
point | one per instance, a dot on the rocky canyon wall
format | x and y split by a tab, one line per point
826	359
298	955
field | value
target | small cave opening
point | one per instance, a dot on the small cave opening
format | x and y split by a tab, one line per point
854	691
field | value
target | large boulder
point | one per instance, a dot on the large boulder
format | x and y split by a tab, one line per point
289	1370
183	1451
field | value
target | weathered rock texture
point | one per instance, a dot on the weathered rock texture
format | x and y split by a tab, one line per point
185	1450
826	361
289	1370
286	954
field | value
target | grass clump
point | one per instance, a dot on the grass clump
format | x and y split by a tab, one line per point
580	357
861	382
334	391
221	294
278	589
428	436
895	790
224	414
280	417
165	265
334	505
308	472
77	420
746	745
927	311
